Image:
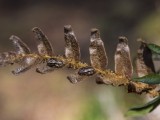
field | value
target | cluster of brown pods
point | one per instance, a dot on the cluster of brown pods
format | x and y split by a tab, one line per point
47	61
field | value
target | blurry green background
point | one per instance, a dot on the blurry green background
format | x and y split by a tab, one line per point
32	96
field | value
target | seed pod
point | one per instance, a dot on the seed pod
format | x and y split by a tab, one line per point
123	64
44	46
86	71
72	49
21	47
144	62
27	63
7	58
55	63
97	51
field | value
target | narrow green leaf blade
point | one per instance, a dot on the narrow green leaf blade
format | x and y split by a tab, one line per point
149	79
155	48
144	109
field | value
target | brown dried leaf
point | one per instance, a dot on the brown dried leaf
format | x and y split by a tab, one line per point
21	47
7	58
27	63
44	46
123	64
72	49
97	51
144	62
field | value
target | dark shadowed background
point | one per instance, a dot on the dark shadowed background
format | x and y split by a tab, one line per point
32	96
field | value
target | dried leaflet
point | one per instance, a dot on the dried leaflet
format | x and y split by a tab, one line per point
7	58
72	49
27	63
98	56
144	62
16	57
97	51
44	46
44	49
123	64
144	66
21	47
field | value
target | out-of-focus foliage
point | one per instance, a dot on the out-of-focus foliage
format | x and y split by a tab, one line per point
93	110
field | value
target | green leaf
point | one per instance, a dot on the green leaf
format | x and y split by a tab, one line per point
155	48
142	110
149	79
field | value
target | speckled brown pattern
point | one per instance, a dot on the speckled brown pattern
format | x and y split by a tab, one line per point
142	68
72	49
123	64
97	51
44	46
20	46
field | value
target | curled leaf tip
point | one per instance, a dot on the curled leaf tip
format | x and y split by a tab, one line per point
123	39
141	40
67	28
95	33
44	46
20	46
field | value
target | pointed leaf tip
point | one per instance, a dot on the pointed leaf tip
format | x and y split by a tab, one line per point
20	46
44	46
149	79
67	28
144	109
